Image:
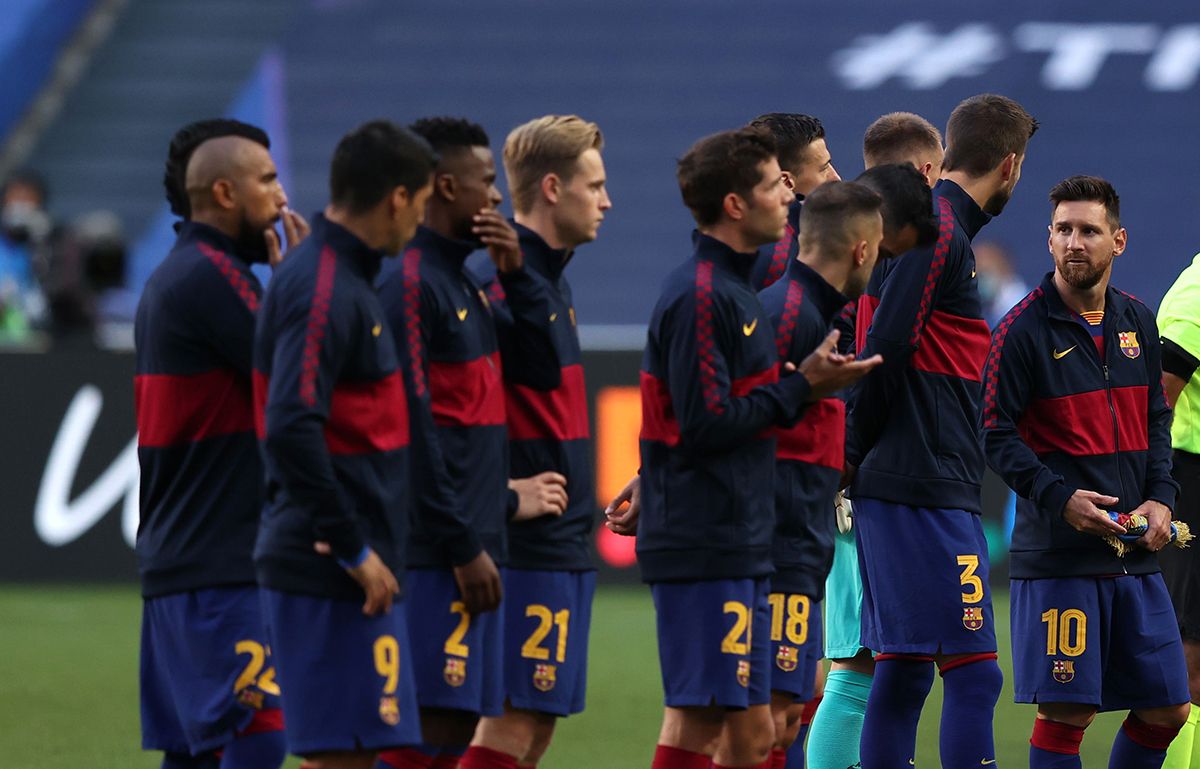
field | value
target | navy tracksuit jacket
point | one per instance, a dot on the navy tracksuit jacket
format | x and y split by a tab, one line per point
772	260
1058	417
333	416
201	482
711	393
808	456
913	425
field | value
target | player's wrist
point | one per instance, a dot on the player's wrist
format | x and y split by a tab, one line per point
358	560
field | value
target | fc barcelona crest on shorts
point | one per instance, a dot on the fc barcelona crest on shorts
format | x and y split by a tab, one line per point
544	677
787	658
389	710
1063	671
251	698
972	617
1129	344
455	671
743	672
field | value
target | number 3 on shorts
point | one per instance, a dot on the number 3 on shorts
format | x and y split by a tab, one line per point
972	584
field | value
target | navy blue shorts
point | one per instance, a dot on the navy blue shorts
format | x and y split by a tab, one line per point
925	580
206	668
347	678
547	619
1111	642
796	644
457	659
714	642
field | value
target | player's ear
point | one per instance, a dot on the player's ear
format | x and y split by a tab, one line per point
224	194
1120	240
734	206
551	188
446	186
1007	166
398	201
789	181
925	169
860	253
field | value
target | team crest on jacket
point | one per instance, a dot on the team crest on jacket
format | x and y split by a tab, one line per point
1063	671
389	710
544	677
455	671
787	658
1129	344
972	617
743	672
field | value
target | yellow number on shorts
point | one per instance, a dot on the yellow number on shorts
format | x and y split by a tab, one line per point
532	648
250	674
1065	632
968	578
387	662
454	644
740	629
793	622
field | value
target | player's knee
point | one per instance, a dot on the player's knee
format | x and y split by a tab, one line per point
539	739
978	675
1170	718
1070	713
747	738
787	722
904	680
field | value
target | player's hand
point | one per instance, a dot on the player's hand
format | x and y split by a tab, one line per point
827	371
378	582
543	494
624	522
1158	516
849	471
1084	515
295	229
479	583
500	238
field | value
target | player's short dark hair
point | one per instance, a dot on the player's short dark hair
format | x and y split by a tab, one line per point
827	211
907	199
1092	189
793	133
897	136
720	164
448	134
374	159
184	143
983	130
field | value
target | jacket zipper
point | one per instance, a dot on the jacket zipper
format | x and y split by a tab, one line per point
1112	409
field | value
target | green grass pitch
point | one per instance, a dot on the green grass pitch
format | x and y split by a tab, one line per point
68	686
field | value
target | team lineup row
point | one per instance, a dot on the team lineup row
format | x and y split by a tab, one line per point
419	427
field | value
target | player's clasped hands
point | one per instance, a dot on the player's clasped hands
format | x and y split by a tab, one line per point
1084	514
827	371
1158	535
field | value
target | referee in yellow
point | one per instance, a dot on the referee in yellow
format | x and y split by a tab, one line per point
1179	327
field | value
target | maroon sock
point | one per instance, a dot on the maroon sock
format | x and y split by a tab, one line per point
667	757
479	757
404	758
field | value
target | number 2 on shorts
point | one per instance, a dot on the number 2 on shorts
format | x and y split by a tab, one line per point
737	640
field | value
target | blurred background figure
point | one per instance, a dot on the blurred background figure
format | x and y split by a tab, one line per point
1000	287
83	284
25	230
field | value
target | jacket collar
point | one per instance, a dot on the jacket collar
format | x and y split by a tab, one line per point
349	248
970	216
710	249
794	213
538	254
1115	302
195	232
453	253
827	299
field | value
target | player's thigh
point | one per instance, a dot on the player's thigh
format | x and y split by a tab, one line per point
1057	627
925	580
713	642
457	658
796	644
207	669
547	622
1146	666
346	677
